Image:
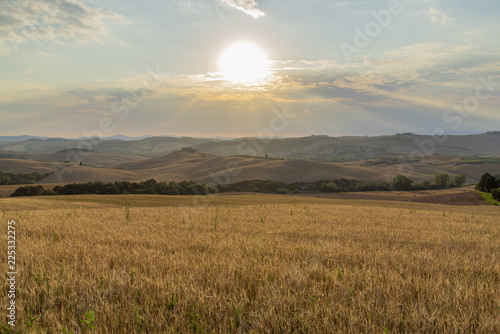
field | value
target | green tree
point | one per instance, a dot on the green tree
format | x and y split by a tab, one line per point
197	189
111	190
27	191
402	183
328	187
426	185
5	180
442	180
272	186
48	192
459	180
487	183
282	191
495	193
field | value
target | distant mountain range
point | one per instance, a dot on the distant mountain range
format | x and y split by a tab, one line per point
317	148
26	137
19	138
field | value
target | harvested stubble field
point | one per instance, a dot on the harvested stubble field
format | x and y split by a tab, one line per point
254	264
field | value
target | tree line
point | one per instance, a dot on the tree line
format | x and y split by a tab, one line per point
441	181
399	183
120	188
20	178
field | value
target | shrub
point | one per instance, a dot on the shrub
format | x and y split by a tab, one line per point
48	192
282	191
495	193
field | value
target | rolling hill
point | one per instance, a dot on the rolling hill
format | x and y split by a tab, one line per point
213	169
317	148
287	160
93	159
146	147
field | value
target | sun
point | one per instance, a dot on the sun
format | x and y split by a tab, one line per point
244	63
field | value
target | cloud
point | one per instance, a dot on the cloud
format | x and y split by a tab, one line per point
247	6
436	16
63	21
103	94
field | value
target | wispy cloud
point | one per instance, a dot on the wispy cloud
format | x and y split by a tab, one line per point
57	21
247	6
436	16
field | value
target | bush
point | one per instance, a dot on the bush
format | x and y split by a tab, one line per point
495	193
282	191
48	192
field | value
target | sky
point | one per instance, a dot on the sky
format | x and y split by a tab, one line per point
73	68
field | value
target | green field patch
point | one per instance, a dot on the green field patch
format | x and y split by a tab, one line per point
488	198
482	160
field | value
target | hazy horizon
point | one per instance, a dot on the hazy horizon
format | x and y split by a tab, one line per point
230	137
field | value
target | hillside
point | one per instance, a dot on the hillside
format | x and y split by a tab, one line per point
343	149
212	169
147	146
28	166
317	148
94	159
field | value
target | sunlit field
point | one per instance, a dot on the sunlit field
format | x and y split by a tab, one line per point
253	264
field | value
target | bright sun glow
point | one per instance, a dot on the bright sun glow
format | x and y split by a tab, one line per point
244	62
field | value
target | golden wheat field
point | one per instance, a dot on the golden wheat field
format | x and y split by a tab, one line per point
252	264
